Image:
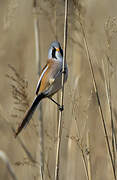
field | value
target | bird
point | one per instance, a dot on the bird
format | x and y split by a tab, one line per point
49	83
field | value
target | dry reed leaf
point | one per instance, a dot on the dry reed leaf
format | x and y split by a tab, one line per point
19	91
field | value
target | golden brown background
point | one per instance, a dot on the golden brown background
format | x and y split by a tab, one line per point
81	118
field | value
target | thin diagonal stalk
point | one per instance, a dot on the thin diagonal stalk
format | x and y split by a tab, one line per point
82	152
97	94
113	134
108	94
84	160
59	133
114	139
8	165
24	147
78	143
38	62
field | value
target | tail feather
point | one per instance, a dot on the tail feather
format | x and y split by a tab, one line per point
29	113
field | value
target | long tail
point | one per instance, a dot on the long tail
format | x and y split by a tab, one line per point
29	113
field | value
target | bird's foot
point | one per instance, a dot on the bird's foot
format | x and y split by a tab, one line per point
61	108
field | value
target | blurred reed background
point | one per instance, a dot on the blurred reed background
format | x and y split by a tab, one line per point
88	146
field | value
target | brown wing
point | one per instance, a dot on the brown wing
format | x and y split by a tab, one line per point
49	74
40	78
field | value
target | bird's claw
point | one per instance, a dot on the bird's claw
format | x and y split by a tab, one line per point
61	108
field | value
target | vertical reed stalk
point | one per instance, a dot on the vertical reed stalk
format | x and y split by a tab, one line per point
38	62
59	132
57	95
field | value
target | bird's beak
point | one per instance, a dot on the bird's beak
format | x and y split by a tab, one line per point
57	49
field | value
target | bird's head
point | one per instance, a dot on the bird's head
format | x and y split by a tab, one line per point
55	51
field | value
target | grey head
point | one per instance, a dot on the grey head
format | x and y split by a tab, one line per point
55	51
